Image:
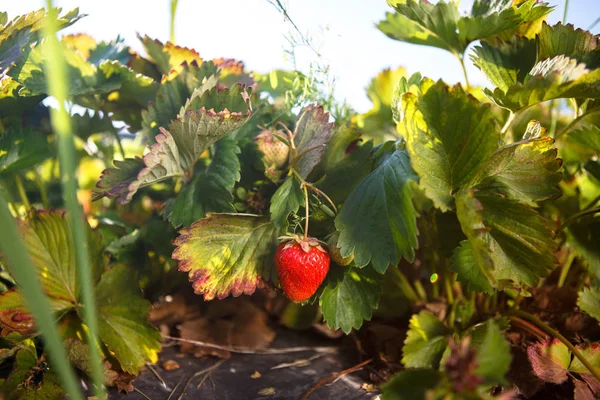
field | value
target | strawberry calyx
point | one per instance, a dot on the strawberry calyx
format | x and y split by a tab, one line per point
306	244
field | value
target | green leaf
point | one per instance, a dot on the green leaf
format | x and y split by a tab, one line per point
311	135
227	254
15	99
582	237
589	302
565	40
86	124
287	199
425	341
211	188
345	164
123	320
450	136
553	78
585	140
18	35
378	123
493	356
526	171
172	95
134	88
468	271
378	220
48	239
411	384
173	155
21	149
350	297
440	24
168	56
506	63
509	240
31	378
84	78
425	24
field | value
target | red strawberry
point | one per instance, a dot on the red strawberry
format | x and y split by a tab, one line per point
302	265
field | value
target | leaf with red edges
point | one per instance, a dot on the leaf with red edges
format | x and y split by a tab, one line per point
227	254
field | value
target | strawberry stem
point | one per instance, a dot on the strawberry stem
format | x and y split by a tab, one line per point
307	211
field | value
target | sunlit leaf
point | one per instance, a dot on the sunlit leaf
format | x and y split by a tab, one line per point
49	241
425	341
168	56
505	63
553	78
509	240
589	302
227	254
311	135
527	171
441	25
174	154
449	137
172	95
556	40
123	320
18	35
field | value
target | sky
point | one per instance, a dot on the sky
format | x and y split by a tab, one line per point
255	32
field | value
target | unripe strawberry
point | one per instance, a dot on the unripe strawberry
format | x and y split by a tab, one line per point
302	265
334	251
275	152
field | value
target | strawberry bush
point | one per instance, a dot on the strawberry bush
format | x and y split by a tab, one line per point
464	220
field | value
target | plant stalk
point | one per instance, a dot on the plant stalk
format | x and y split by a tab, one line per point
173	12
61	124
307	212
23	270
464	70
22	192
542	325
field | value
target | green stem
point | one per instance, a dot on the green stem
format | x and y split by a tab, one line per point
307	212
509	122
553	118
577	120
23	270
420	290
173	12
594	24
448	285
119	144
405	286
565	270
43	192
22	192
578	215
542	325
61	124
564	19
464	70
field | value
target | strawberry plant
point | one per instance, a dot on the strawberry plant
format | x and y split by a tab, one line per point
463	221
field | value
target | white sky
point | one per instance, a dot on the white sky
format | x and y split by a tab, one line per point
253	31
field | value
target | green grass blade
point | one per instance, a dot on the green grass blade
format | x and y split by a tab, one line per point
23	270
173	12
56	70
